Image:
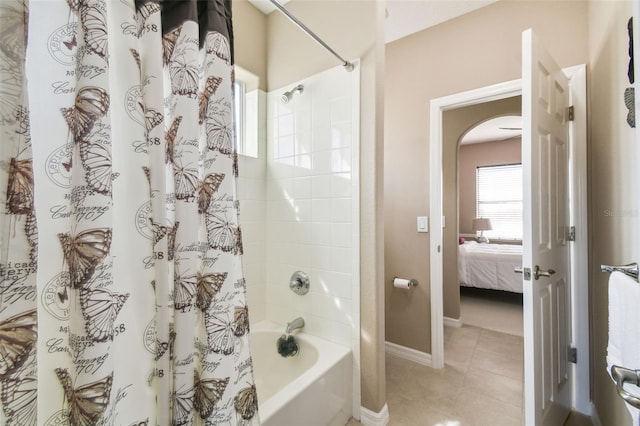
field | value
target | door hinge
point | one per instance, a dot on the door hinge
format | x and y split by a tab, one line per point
573	355
571	233
570	113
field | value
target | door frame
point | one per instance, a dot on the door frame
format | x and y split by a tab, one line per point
578	218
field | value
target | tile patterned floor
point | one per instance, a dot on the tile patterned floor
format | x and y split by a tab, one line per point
481	384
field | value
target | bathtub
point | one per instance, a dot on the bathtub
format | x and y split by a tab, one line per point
312	388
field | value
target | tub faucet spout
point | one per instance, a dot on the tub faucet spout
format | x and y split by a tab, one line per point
295	325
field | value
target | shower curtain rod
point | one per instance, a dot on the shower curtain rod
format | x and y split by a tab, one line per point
346	64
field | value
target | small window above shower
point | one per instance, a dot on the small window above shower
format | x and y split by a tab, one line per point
249	112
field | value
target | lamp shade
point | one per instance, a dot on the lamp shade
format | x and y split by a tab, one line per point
482	224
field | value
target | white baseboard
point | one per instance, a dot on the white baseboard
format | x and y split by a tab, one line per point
371	418
452	322
595	418
408	353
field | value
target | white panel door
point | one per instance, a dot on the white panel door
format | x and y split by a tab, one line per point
545	138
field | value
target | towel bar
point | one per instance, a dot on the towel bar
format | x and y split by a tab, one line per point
623	375
630	270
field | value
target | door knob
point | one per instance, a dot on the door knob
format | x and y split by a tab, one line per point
537	272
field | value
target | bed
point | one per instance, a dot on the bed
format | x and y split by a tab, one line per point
490	266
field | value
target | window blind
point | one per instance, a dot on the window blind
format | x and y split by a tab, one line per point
499	198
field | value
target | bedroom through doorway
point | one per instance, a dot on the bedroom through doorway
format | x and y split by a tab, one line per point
489	189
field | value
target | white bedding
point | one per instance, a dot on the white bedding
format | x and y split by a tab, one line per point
490	266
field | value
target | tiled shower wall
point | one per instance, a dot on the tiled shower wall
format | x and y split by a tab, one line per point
312	205
299	210
299	207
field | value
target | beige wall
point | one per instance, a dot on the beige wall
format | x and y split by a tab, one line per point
477	155
250	39
472	51
614	218
354	29
455	124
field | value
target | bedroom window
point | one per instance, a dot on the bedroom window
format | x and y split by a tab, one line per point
499	198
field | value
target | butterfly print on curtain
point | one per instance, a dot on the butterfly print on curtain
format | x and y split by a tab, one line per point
240	320
96	160
185	288
246	402
162	347
91	104
159	231
18	336
184	76
19	400
87	403
171	240
170	139
208	286
220	334
83	252
206	189
182	406
20	186
186	180
223	234
94	25
169	41
219	46
219	128
207	394
100	307
152	119
210	88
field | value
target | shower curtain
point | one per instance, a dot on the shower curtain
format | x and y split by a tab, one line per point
122	300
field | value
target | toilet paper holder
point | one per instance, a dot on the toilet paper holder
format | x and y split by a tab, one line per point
412	282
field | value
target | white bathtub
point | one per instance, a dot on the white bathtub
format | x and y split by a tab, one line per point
312	388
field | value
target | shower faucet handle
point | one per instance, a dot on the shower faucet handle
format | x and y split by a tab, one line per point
299	283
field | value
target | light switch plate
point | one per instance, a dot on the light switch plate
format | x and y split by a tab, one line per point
423	224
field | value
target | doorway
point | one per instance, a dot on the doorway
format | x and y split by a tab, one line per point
460	165
577	156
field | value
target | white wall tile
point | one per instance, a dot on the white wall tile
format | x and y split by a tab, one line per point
321	162
301	256
302	187
341	135
321	257
303	232
321	186
341	210
302	143
303	121
341	160
340	110
341	260
304	211
321	210
341	185
286	146
341	235
321	233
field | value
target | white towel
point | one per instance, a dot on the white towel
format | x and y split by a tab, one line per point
624	329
